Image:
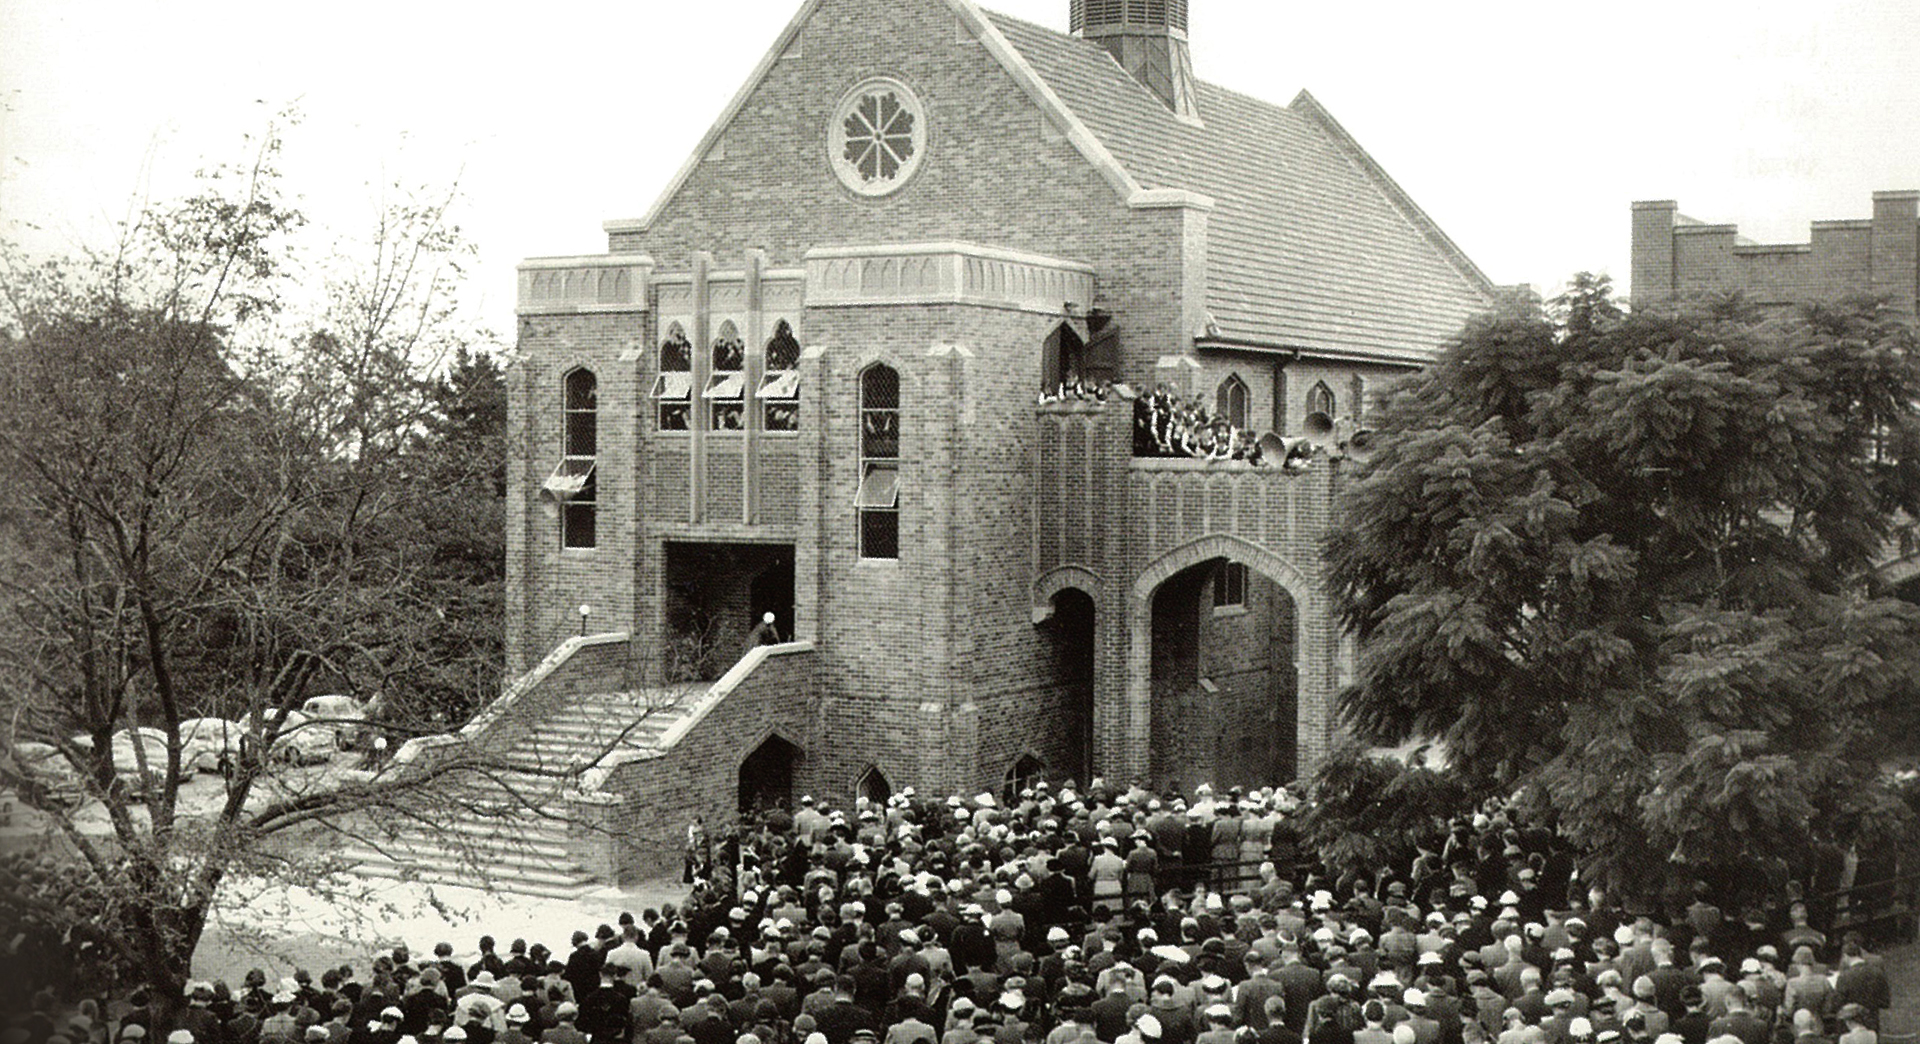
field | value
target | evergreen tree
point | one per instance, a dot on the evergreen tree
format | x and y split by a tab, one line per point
1621	565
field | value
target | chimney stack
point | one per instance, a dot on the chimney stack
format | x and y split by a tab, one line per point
1149	40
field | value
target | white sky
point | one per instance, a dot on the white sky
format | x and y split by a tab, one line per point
1524	128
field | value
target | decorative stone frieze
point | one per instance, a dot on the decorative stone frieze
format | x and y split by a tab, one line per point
946	273
600	283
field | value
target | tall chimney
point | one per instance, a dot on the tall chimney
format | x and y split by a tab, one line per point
1149	39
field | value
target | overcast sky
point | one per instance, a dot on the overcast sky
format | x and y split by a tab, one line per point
1524	128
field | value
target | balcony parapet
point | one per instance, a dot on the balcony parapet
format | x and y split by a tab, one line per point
596	283
946	273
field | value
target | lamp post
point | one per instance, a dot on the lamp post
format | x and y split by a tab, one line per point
585	611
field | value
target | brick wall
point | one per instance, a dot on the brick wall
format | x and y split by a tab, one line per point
1676	257
631	824
929	667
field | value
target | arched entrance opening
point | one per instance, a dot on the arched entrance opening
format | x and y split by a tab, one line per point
873	786
1069	635
1222	675
766	775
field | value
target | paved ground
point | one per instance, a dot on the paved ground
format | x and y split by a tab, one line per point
278	930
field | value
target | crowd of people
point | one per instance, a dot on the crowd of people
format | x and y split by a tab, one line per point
1090	915
1167	425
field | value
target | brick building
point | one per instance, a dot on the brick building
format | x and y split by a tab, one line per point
807	383
1676	257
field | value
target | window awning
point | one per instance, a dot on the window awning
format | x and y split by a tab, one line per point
781	384
879	487
673	385
568	480
729	386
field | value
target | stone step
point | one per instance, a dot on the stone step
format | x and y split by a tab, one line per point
546	885
459	843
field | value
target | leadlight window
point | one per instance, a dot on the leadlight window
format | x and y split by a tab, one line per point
726	392
573	483
779	393
673	391
878	137
877	501
1320	400
1231	401
1230	586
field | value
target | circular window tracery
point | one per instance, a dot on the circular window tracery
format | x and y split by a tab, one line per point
878	137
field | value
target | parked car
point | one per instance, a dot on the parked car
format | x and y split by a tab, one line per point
47	765
340	716
305	740
210	744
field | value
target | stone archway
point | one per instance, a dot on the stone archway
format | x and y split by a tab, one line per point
1315	650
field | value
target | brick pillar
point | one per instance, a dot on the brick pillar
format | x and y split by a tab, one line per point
1896	249
1652	267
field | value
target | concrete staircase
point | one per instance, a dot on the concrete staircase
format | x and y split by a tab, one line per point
512	831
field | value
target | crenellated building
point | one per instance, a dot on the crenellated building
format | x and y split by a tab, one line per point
819	380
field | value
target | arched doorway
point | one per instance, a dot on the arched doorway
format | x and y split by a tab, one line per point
1214	670
766	775
873	786
1070	637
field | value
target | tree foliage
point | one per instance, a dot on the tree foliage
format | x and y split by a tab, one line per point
1616	562
223	499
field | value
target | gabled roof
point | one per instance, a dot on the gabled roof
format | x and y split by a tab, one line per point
1311	244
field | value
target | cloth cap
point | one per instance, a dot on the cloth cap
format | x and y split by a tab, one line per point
1219	1011
1414	998
132	1031
180	1036
391	1012
566	1010
454	1033
1579	1027
1555	998
1057	934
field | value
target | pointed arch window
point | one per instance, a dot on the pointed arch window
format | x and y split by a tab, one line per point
673	391
1321	408
1231	401
726	392
877	502
573	483
779	393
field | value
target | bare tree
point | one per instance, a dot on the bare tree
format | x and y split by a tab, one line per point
208	517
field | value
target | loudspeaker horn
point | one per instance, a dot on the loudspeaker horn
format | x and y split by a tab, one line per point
1284	453
1356	442
1320	430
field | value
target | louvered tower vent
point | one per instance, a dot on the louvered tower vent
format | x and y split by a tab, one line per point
1149	40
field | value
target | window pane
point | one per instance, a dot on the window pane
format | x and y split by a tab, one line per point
577	521
783	351
879	534
729	351
580	394
880	434
676	353
880	388
879	487
581	431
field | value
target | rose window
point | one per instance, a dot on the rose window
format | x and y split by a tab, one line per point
878	137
